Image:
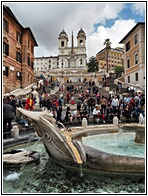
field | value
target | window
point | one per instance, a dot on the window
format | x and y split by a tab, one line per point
49	61
49	66
135	39
5	70
18	75
81	42
5	49
136	58
62	43
18	57
32	65
128	79
5	25
128	63
127	46
28	61
19	37
32	49
136	76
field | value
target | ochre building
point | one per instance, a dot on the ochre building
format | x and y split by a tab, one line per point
18	53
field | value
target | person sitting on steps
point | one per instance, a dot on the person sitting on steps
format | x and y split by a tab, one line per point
68	116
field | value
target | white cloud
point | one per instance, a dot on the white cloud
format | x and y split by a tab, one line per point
47	20
115	33
139	8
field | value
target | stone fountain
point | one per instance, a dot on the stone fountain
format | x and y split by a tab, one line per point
68	148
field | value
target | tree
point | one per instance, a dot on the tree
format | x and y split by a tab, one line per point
92	65
108	43
119	69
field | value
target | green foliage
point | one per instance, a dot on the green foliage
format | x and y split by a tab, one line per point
108	43
119	69
92	65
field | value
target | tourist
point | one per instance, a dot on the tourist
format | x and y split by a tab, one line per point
127	113
126	100
23	102
8	115
98	96
44	103
54	113
137	112
48	103
91	103
13	102
30	103
97	113
68	116
67	97
19	102
103	102
61	101
79	102
77	116
72	100
55	103
116	112
110	113
115	102
84	114
40	99
59	115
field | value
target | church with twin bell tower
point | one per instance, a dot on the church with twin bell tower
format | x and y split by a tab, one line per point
71	57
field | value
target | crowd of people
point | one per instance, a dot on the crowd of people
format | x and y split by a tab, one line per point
88	99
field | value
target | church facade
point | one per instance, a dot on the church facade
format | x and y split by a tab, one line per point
72	56
69	56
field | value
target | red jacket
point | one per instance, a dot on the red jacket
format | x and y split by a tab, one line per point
29	104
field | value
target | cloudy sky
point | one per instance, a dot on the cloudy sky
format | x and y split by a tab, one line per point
99	20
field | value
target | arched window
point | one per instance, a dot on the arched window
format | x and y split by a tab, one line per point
62	43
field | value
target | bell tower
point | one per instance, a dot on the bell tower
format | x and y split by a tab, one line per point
81	38
63	42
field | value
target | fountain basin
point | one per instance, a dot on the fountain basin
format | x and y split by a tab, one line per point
68	149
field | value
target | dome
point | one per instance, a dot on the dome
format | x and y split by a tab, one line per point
81	31
63	33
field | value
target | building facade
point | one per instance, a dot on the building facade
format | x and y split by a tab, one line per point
134	55
45	64
72	56
115	58
69	57
18	53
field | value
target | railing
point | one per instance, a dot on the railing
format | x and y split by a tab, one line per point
21	91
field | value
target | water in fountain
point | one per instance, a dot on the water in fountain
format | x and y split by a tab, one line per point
48	177
116	143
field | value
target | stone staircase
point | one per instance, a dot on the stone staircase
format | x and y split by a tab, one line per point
102	89
113	86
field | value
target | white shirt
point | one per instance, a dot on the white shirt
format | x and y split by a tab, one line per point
115	102
95	112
